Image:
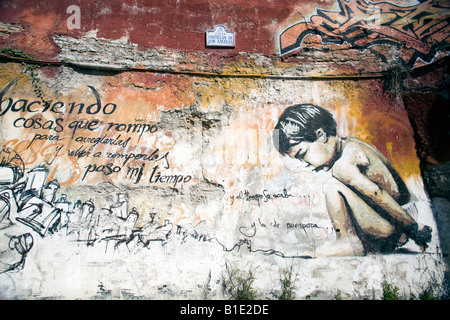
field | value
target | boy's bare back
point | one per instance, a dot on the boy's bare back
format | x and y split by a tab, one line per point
363	167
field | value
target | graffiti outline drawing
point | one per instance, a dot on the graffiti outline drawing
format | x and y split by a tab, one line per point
419	31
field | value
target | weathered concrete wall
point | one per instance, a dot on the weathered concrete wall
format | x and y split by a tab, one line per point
144	164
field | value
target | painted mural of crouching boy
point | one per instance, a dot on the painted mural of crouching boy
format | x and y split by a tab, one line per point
364	195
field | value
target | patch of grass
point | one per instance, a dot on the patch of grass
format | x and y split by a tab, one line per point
239	285
287	285
390	292
338	295
428	294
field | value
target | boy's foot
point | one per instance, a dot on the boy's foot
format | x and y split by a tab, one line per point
421	236
402	240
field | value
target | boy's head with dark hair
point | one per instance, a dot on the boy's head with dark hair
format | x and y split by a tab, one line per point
299	123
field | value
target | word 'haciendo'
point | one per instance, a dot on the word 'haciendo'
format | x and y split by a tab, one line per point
24	105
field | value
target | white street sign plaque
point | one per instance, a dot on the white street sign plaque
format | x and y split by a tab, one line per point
220	37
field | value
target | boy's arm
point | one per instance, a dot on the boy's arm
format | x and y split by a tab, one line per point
349	173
